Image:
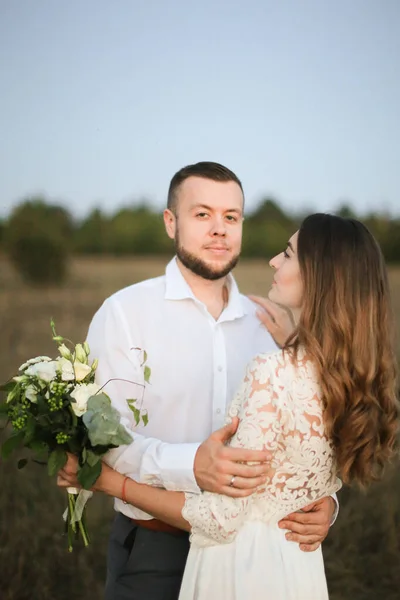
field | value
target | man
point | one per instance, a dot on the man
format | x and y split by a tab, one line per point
199	333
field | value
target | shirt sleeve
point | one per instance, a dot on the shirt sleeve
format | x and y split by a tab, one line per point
292	480
146	459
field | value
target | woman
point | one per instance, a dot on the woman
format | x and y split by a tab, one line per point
325	407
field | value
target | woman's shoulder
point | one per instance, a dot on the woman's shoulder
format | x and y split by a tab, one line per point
285	359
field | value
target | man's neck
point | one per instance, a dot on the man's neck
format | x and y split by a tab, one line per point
212	293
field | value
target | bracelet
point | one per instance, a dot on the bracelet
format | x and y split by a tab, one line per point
123	491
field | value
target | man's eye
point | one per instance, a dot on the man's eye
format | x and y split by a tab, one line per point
202	215
231	218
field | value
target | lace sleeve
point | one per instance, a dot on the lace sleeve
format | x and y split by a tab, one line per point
280	411
216	518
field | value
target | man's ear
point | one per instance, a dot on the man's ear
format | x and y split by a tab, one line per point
170	223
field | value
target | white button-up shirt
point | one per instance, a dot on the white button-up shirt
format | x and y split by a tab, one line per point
196	364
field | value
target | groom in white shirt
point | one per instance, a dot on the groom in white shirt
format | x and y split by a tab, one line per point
199	333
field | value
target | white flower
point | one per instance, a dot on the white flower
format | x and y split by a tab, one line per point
33	361
64	351
81	395
81	370
47	371
66	369
30	393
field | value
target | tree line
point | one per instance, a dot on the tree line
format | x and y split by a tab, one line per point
39	235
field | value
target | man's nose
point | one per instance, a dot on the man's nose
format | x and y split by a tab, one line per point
218	227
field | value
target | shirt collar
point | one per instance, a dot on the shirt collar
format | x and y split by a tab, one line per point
177	288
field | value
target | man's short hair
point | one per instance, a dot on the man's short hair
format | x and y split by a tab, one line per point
206	170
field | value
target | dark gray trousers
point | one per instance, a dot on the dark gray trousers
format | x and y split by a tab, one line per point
144	564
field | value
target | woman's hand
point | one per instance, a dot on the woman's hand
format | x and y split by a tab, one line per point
110	481
67	476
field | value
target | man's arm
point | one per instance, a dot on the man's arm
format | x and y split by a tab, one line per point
146	459
187	467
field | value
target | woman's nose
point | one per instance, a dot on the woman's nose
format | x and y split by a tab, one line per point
274	262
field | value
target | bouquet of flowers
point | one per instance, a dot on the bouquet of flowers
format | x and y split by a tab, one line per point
54	407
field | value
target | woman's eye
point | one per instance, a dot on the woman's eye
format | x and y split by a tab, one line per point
285	254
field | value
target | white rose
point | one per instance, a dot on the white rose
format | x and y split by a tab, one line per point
81	370
47	371
66	369
81	395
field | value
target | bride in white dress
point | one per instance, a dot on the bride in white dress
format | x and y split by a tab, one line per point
325	407
237	550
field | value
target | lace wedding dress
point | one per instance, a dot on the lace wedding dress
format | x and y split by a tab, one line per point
237	550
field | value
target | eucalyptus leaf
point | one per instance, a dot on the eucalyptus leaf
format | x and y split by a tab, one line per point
103	423
88	475
11	444
57	460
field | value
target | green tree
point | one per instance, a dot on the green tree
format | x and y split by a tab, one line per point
37	239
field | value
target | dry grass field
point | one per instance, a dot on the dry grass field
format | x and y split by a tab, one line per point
362	552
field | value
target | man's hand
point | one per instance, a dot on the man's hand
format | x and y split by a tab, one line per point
276	319
220	469
310	527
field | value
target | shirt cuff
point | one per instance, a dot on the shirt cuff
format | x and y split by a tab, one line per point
177	468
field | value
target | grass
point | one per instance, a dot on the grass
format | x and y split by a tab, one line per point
362	552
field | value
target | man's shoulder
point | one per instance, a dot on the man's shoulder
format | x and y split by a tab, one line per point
144	293
146	289
249	306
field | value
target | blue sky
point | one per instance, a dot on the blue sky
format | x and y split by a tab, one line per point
101	102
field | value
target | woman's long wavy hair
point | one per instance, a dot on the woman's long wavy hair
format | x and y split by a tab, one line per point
347	329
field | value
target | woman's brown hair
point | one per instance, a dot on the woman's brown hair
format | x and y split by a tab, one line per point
347	329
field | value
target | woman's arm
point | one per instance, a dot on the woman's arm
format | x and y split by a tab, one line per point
162	504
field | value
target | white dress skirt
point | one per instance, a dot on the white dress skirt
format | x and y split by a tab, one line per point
259	565
237	550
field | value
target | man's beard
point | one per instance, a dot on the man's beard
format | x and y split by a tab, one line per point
200	267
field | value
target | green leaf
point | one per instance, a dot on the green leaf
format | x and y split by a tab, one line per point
29	430
22	463
8	387
88	475
147	373
145	418
4	409
136	411
57	460
91	458
13	442
144	356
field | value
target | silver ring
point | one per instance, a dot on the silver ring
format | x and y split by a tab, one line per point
232	480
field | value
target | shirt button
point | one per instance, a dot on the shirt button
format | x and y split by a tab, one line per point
218	411
220	368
